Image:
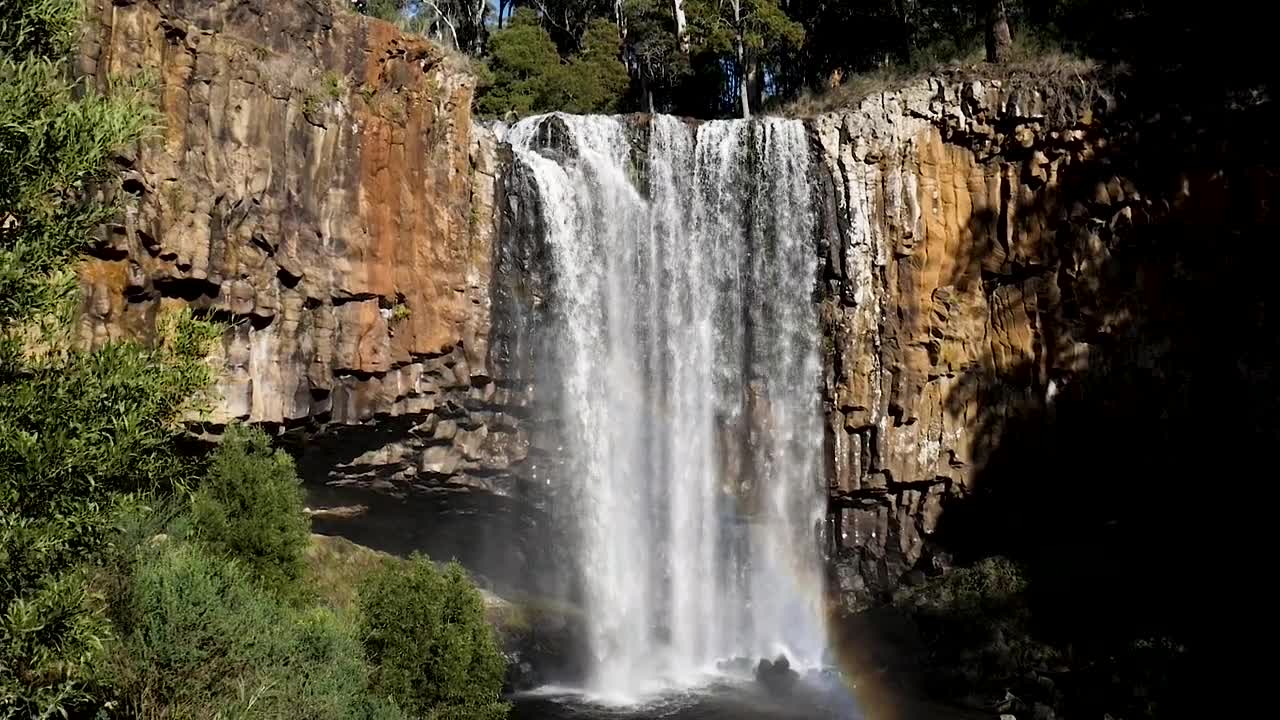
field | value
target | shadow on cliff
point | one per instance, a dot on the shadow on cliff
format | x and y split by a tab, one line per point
1122	464
499	535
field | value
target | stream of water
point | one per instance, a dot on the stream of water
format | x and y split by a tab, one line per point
683	270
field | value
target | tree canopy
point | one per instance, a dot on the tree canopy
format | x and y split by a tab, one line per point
714	58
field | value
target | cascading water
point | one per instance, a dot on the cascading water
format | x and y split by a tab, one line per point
683	268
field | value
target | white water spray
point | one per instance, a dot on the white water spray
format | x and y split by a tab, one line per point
683	264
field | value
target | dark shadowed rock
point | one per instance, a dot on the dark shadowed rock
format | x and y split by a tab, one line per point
777	676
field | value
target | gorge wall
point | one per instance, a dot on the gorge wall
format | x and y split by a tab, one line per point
991	263
318	183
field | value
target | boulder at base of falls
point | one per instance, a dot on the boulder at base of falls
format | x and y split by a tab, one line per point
777	676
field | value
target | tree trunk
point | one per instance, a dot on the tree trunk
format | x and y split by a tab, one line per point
754	80
477	18
682	25
999	40
744	93
906	15
621	19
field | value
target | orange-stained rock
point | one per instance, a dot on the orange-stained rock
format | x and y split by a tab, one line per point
937	266
317	182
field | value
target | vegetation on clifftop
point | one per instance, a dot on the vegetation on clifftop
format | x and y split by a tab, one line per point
717	58
143	575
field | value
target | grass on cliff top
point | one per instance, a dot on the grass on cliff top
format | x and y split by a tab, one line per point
1035	65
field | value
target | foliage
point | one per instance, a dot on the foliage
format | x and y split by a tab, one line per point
990	581
54	143
524	67
39	28
425	634
653	53
595	79
763	25
201	640
79	428
528	75
567	20
976	624
401	312
51	640
781	51
80	432
249	507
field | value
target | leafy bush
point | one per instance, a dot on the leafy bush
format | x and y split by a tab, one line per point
250	507
50	643
201	640
989	582
79	431
425	635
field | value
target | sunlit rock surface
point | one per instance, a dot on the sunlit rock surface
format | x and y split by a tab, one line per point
319	182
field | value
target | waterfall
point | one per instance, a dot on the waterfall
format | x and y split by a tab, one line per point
683	268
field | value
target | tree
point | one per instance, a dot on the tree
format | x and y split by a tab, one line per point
425	634
249	507
566	20
682	25
528	76
596	80
752	36
740	52
655	58
80	431
999	41
524	66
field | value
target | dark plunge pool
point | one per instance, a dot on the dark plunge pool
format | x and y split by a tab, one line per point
817	696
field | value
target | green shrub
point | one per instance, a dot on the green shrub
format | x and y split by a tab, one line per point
427	641
250	507
200	639
79	430
990	581
50	643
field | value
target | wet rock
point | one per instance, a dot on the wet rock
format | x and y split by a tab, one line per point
777	676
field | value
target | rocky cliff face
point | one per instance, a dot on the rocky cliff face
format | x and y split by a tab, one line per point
1002	283
318	183
1017	286
931	275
